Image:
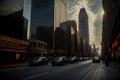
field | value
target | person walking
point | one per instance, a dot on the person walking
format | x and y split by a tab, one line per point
106	61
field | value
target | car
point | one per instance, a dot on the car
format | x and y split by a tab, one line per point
80	58
85	58
38	61
73	59
62	60
96	59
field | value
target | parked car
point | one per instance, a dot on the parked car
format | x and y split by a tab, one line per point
59	61
85	58
96	59
38	61
73	59
81	58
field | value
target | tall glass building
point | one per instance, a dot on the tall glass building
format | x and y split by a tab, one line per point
46	15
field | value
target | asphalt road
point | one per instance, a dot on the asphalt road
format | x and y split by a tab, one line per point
83	70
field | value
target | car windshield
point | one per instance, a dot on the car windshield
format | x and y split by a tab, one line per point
60	58
44	58
72	58
96	57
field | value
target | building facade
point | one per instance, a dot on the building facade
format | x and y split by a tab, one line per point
37	48
71	42
12	50
83	24
46	16
72	37
69	35
13	44
111	29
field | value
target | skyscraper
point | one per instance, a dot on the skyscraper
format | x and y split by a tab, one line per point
46	15
72	37
69	36
83	24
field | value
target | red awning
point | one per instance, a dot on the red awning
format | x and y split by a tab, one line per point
12	50
114	44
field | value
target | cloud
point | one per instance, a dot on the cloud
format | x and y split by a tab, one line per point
95	5
10	6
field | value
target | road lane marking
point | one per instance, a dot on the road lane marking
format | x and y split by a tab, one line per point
88	74
42	74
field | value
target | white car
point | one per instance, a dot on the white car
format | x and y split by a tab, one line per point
96	59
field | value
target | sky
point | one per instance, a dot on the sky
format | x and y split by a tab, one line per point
10	6
26	14
94	11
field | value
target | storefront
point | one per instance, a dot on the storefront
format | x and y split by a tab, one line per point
12	50
116	48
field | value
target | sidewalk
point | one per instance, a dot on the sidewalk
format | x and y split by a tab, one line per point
111	72
115	65
13	65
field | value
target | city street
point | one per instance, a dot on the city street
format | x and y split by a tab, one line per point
83	70
59	40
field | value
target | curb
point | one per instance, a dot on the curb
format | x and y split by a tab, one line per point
11	66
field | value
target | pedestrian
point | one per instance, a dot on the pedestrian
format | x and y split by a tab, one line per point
107	61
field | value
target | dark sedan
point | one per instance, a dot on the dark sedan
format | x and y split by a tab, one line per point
73	59
38	61
81	59
59	61
96	59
